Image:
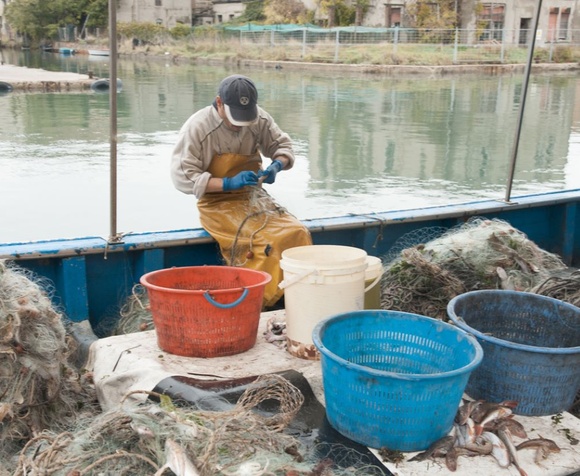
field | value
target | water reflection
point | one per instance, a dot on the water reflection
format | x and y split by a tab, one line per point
364	143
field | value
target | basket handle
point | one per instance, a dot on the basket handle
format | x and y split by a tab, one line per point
209	299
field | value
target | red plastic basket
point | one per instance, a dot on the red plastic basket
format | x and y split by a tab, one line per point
206	311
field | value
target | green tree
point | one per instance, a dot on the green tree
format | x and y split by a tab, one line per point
436	14
339	12
284	11
254	11
40	19
98	13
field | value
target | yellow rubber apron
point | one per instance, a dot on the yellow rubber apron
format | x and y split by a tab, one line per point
250	228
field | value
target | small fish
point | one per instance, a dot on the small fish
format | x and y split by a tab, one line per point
177	460
482	408
542	445
480	446
464	412
499	450
510	423
464	434
438	448
505	436
504	279
497	414
454	453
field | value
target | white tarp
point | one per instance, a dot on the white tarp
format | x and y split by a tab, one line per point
130	362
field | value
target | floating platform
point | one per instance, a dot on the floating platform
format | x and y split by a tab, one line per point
18	78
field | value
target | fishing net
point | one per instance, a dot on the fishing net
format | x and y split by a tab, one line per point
260	208
39	389
135	314
149	438
563	285
480	254
51	423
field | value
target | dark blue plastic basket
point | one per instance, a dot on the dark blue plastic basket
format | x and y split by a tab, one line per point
531	346
393	379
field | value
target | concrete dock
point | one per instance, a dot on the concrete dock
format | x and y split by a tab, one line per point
18	78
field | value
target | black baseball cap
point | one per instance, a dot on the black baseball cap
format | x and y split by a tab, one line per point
240	98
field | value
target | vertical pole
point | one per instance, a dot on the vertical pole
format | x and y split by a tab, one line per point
523	103
304	43
502	56
337	46
455	45
113	119
396	41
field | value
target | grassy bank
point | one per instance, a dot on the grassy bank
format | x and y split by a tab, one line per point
385	54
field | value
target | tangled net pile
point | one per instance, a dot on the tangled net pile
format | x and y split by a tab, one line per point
51	423
149	438
38	387
480	254
135	314
422	275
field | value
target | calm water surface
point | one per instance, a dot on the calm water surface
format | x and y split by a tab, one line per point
364	143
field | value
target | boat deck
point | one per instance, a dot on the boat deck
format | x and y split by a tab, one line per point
133	362
34	79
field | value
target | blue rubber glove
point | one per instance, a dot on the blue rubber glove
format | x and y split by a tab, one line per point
247	177
271	171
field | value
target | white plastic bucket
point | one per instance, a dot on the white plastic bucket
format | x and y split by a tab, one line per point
373	275
319	281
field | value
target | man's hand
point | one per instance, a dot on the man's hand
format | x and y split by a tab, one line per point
247	177
271	171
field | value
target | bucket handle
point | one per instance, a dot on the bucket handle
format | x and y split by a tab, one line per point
298	277
372	285
209	299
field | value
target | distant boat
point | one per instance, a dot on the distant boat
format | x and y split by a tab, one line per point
99	52
66	51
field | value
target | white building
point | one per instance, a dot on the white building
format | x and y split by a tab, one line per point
226	10
167	13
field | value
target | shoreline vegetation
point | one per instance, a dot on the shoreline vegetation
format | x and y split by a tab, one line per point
384	58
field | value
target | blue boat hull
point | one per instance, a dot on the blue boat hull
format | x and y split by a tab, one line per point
92	277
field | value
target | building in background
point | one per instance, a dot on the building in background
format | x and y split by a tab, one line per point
5	33
202	12
227	10
167	13
508	21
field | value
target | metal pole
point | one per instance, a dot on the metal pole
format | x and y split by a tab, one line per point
523	103
113	237
455	45
502	56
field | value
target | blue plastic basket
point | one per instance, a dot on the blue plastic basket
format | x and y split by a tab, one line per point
393	379
531	346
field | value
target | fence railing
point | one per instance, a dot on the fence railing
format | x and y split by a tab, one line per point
455	46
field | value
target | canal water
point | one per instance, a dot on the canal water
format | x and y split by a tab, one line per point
364	143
